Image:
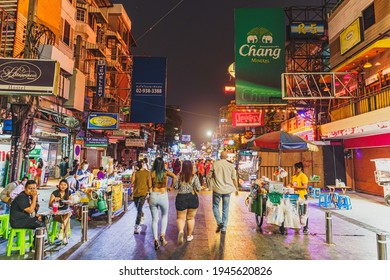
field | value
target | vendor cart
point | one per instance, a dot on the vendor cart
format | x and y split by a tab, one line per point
278	205
382	176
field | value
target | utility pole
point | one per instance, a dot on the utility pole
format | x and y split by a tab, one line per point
22	112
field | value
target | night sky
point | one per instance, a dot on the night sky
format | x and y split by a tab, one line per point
197	38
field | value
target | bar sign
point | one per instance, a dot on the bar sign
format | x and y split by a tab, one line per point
101	78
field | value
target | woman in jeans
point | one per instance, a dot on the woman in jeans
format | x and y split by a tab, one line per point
187	201
159	199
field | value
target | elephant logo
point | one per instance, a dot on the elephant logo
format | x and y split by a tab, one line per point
258	34
252	39
267	39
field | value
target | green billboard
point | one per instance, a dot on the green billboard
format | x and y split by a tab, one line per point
260	55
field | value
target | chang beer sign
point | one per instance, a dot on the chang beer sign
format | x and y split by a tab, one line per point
260	55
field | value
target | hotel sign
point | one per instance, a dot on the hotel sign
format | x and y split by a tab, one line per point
351	36
247	118
28	76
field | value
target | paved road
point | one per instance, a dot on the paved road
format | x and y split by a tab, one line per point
352	238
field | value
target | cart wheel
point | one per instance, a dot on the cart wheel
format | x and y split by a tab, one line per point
387	200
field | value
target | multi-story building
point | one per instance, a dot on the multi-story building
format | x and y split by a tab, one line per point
359	44
76	34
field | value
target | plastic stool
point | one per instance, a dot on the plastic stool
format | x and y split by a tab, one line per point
4	225
334	199
316	192
344	202
324	200
53	230
20	245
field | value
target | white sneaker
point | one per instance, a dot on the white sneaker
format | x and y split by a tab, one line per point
190	238
137	229
142	220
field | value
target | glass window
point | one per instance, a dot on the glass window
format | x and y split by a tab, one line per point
80	15
66	33
369	16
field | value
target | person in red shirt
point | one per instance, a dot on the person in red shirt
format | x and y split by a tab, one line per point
200	168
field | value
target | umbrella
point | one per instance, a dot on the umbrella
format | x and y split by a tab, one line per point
281	142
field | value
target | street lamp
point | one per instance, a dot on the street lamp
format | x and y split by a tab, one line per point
209	133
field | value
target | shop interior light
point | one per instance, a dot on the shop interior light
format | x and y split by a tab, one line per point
377	63
326	88
367	64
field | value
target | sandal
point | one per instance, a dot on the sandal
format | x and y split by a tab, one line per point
164	242
156	245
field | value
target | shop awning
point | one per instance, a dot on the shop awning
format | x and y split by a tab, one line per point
371	51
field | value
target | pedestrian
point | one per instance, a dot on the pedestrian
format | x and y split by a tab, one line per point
19	188
176	166
146	163
63	197
38	173
23	212
299	181
75	167
64	167
187	201
142	183
159	199
222	181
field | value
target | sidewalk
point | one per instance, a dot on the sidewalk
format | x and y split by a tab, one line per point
354	233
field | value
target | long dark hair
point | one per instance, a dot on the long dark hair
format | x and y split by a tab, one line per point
67	191
186	173
159	168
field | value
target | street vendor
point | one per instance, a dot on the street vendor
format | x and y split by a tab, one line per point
299	180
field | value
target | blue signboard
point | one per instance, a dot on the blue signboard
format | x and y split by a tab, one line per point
102	121
101	78
148	90
7	127
96	142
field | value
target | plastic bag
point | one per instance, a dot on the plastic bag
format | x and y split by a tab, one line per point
303	211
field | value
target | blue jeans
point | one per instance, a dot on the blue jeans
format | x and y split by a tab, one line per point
158	200
225	208
139	203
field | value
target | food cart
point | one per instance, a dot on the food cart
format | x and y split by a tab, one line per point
382	176
278	204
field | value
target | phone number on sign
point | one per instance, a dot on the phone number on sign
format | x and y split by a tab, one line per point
148	90
232	270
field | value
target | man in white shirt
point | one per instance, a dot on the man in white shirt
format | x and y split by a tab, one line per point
10	188
222	180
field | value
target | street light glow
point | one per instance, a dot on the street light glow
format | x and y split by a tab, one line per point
209	133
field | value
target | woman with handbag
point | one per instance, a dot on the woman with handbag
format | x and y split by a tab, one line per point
187	201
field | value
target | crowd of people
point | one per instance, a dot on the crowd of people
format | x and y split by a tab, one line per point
150	184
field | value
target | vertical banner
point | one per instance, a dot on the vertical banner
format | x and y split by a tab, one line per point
148	90
260	55
101	78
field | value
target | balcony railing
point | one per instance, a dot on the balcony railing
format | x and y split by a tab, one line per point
365	104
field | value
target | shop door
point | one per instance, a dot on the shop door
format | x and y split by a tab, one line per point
334	165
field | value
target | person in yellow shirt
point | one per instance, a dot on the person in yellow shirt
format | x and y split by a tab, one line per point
299	182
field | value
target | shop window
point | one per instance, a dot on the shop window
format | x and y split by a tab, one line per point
369	16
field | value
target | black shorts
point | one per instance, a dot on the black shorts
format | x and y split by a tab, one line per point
186	201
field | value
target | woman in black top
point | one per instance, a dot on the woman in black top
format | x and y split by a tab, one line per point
63	197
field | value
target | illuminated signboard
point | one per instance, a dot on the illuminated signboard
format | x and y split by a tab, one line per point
247	118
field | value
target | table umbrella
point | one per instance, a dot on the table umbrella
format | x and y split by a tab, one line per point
281	142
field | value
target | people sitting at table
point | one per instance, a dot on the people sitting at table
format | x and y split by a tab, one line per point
23	212
83	174
63	197
72	183
5	195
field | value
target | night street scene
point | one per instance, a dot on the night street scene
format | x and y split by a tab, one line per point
206	130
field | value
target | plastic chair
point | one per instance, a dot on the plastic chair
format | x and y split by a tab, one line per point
53	230
344	201
316	192
324	200
21	244
4	225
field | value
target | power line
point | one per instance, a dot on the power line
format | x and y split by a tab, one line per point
164	16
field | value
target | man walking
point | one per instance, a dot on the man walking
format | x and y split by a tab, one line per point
222	181
64	168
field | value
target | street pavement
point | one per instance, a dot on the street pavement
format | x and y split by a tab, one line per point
354	235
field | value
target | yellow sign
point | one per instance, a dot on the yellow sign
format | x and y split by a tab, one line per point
232	70
351	36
